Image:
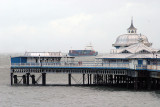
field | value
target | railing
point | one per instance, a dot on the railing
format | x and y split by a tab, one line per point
71	64
148	67
153	67
87	64
140	67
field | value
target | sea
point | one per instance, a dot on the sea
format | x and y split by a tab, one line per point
69	96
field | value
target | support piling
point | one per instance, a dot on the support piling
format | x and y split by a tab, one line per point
69	79
28	78
11	78
43	79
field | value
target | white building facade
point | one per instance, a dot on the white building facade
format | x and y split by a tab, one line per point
132	50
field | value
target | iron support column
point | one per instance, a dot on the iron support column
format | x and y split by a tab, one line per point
127	80
24	79
83	79
117	80
11	78
28	78
88	79
15	79
69	79
149	83
33	79
135	83
43	79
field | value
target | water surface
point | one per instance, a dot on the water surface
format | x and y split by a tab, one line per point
66	96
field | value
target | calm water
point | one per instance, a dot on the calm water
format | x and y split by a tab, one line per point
65	96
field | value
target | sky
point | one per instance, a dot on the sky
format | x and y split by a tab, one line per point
61	25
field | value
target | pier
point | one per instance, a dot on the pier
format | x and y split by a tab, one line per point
132	64
93	74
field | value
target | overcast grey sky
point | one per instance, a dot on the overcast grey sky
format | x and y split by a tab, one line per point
59	25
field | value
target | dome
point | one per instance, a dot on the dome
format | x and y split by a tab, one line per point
131	38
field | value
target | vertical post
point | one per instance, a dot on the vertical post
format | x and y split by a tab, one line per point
28	78
122	79
149	83
90	78
106	78
83	79
43	79
114	79
154	83
135	83
117	80
97	79
24	79
140	84
93	78
15	79
11	78
127	81
158	83
111	79
33	79
69	79
103	79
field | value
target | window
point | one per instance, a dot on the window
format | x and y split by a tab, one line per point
158	51
143	52
132	31
125	51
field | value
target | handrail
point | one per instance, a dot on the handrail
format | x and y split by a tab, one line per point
153	67
71	64
87	64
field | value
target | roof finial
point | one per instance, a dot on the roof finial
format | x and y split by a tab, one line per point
132	29
132	20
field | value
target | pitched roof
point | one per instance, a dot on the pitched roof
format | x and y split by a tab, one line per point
144	56
114	56
137	48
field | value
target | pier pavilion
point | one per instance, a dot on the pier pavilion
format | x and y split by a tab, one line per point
133	64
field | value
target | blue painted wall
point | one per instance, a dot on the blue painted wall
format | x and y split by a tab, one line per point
19	60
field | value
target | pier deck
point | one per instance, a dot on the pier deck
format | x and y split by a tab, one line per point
141	77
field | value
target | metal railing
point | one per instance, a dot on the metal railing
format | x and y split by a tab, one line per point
72	64
140	67
86	64
153	67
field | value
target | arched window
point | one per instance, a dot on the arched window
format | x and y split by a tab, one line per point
132	31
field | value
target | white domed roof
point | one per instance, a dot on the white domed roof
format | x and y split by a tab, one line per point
130	39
